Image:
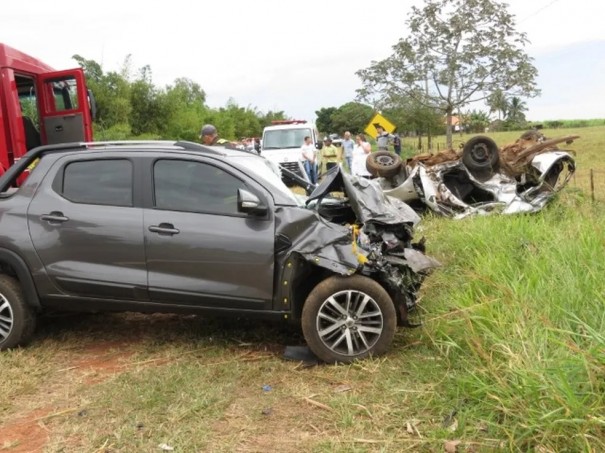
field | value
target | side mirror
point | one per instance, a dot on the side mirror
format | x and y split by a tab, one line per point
249	203
319	145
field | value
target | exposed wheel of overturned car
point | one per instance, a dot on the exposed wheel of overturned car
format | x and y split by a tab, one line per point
481	157
348	318
383	163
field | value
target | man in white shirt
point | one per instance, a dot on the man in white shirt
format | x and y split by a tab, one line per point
347	149
309	158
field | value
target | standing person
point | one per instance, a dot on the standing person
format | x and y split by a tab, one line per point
383	137
329	155
347	150
360	154
309	159
397	144
249	145
209	136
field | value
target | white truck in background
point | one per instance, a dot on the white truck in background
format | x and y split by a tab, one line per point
282	141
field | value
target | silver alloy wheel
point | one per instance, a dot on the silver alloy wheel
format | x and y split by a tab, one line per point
349	322
6	318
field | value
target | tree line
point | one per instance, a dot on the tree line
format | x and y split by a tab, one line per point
132	106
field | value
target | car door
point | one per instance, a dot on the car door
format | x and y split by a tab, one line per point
64	107
87	230
200	250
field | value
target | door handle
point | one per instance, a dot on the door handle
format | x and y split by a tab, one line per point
54	217
164	229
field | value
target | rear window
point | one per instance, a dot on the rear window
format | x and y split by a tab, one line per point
105	182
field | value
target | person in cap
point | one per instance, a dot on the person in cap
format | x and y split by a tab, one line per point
209	136
329	155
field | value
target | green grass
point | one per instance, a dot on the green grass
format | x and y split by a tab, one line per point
519	307
511	357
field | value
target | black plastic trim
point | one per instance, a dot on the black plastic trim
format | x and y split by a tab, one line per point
25	279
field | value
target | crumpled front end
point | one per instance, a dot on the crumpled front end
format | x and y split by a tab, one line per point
350	227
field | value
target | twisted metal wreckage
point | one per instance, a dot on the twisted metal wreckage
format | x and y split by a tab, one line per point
482	179
360	230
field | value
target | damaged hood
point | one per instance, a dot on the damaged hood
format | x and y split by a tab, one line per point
366	198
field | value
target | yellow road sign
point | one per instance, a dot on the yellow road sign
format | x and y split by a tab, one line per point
379	120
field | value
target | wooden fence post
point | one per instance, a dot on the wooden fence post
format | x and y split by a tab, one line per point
592	185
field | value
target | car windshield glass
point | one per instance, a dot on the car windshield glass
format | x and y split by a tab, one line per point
267	171
285	138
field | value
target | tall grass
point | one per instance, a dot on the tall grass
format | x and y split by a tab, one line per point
519	308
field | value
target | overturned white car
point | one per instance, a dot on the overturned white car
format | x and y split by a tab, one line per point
482	179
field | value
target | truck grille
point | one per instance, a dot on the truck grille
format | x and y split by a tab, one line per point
293	167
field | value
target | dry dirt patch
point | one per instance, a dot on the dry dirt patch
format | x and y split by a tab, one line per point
27	430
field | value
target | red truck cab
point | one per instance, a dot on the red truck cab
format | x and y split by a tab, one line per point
39	106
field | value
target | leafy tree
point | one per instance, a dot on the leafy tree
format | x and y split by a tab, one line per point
267	118
111	91
185	104
92	70
128	108
458	52
498	103
476	120
516	110
324	119
238	122
352	116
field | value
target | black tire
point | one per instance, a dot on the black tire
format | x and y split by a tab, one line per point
17	319
481	157
367	329
383	163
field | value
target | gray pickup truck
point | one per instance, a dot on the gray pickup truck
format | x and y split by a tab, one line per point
179	227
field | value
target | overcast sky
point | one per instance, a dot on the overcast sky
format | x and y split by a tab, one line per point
296	56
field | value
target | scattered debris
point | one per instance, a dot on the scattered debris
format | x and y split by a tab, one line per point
451	446
267	388
342	388
318	404
267	411
165	447
301	354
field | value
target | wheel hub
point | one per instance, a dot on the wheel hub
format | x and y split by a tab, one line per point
480	153
385	161
6	318
349	323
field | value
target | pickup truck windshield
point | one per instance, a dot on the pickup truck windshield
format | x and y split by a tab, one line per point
285	138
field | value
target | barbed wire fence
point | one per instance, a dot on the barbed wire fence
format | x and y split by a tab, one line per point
591	182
